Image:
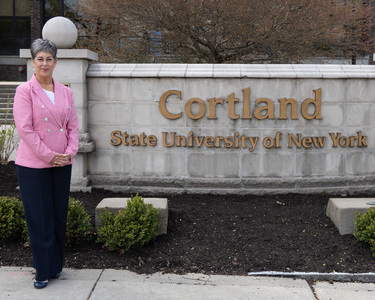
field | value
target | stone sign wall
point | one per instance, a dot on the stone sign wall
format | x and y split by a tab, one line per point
245	129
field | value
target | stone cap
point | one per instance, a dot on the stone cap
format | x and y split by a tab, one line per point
323	71
358	203
122	202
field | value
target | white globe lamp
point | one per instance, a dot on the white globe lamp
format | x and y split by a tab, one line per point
61	31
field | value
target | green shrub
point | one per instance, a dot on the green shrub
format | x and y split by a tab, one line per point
12	219
78	225
13	223
129	228
365	228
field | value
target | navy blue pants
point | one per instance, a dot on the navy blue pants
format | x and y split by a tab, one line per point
45	197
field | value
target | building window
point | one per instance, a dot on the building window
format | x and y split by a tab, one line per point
14	26
53	8
156	44
66	8
15	21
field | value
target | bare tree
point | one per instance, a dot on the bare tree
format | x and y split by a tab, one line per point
227	31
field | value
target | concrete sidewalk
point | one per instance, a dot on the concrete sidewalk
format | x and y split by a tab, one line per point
17	283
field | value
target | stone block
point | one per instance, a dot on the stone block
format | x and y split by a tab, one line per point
333	115
208	165
149	163
311	163
342	212
360	115
278	165
80	95
143	114
358	90
71	70
334	90
116	204
360	163
110	162
109	113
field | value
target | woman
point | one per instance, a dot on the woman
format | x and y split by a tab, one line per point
47	123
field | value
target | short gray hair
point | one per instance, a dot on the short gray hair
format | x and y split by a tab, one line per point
43	45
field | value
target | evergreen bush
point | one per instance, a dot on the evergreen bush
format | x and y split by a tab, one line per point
13	222
365	228
130	228
78	225
12	219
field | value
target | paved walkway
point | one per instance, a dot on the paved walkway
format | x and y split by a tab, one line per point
89	284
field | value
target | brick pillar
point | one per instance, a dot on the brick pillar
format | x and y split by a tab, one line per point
36	19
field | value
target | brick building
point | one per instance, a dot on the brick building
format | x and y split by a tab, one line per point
21	21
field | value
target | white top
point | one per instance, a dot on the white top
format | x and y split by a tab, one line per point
232	70
50	95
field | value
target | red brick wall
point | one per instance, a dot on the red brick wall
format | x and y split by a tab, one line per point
36	17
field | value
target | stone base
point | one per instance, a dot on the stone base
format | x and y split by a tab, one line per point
159	186
116	204
74	188
342	212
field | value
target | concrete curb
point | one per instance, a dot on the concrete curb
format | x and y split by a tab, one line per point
335	276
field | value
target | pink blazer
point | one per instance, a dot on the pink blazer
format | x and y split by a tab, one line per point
44	128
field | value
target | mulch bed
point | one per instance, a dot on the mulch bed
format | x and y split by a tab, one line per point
210	234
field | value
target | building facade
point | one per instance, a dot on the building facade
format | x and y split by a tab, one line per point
21	21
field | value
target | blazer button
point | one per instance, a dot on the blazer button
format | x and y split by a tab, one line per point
61	130
49	130
43	106
46	119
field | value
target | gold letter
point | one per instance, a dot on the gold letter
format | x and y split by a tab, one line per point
231	101
361	139
209	141
268	108
163	108
165	143
335	138
202	108
115	141
152	140
228	142
306	142
212	107
180	141
294	139
283	103
134	140
246	103
317	102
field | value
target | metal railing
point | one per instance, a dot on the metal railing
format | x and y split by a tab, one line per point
7	92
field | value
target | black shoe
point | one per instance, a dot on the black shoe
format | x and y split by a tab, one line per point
40	284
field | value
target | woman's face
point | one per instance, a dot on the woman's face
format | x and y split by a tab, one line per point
44	63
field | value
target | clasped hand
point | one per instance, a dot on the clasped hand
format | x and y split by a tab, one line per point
60	160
